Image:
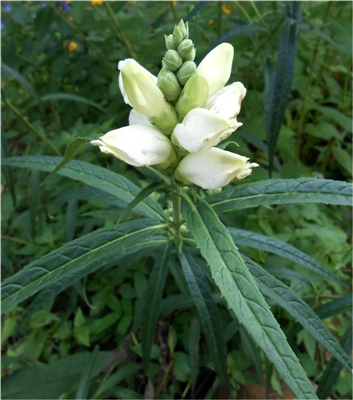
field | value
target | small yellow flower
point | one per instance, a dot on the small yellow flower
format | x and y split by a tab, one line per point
211	21
97	2
72	46
226	9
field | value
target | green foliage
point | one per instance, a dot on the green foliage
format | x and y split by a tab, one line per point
120	283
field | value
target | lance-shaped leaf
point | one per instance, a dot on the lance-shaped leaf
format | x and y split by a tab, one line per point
278	84
75	256
280	248
208	312
138	250
153	298
331	374
92	175
295	306
240	290
283	191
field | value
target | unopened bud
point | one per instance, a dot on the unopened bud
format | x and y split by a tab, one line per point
181	32
186	71
168	83
191	56
194	95
172	60
169	42
167	121
185	48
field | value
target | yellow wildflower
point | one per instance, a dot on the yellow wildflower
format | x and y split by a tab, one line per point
97	2
211	21
72	46
226	9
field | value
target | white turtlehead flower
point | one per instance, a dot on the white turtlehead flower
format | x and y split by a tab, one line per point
227	102
216	67
139	89
136	118
213	168
202	129
138	145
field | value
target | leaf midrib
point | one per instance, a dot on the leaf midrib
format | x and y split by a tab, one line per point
78	258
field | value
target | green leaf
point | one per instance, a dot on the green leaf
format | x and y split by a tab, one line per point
194	351
74	257
73	148
71	97
92	175
335	307
116	378
330	376
145	192
152	306
283	191
278	86
20	79
275	246
295	306
87	375
208	312
50	381
240	290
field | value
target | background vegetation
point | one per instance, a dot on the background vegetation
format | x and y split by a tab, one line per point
60	82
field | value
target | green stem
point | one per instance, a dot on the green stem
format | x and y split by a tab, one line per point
14	240
120	32
259	16
176	215
219	20
174	12
31	127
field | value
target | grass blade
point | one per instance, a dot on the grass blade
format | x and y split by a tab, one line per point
152	306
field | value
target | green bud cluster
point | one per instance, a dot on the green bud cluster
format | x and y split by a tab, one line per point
178	62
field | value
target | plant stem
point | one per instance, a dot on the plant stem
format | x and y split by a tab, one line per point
176	215
31	127
219	20
120	32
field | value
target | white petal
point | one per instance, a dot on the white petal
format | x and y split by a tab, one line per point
216	67
227	102
136	118
138	145
213	169
203	129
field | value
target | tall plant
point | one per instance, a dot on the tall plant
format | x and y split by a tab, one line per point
176	122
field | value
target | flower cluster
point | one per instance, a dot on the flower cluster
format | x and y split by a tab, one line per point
179	117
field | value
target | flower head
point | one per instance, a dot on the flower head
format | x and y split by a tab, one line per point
72	46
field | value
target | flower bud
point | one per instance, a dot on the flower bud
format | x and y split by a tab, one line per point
226	103
216	67
185	71
169	42
181	32
202	129
191	56
168	83
213	168
172	60
138	145
139	89
185	48
194	95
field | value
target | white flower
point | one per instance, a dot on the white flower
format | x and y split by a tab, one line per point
202	129
227	102
136	118
216	67
138	145
213	169
139	89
